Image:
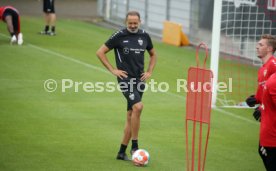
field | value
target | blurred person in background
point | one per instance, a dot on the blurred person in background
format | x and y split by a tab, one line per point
10	16
50	18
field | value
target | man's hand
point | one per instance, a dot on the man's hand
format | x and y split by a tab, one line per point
119	73
251	101
145	76
257	114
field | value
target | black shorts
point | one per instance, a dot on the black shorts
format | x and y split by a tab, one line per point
268	155
49	6
15	19
132	89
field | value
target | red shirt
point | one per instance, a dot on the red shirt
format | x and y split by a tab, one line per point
268	107
3	8
263	74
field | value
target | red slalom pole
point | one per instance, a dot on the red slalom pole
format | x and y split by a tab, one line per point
198	110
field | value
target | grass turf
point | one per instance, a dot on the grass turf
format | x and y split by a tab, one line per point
82	131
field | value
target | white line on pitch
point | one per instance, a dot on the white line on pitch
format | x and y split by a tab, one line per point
70	59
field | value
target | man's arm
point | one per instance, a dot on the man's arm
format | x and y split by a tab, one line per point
101	53
153	58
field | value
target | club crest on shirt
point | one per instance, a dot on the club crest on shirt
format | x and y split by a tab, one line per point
140	41
265	71
274	62
262	107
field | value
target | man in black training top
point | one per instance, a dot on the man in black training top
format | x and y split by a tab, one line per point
129	46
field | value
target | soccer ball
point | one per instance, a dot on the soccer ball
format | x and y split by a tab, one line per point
140	157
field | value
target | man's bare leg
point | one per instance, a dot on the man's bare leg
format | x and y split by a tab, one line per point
8	20
135	124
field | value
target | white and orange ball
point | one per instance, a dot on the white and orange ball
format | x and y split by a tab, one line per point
140	157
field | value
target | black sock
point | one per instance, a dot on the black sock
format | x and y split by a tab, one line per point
46	28
53	29
134	144
123	148
12	34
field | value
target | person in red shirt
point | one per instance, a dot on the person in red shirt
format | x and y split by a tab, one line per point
265	50
267	148
10	15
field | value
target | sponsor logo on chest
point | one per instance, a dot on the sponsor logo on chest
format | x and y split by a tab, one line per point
126	50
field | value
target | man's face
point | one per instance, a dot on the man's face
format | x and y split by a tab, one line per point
263	48
133	23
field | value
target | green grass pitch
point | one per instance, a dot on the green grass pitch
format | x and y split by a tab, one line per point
82	131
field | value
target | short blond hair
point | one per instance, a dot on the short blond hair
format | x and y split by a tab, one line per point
271	40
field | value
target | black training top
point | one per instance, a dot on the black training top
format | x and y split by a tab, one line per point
129	49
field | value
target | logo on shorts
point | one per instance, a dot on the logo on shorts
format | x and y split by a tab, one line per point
140	41
131	96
